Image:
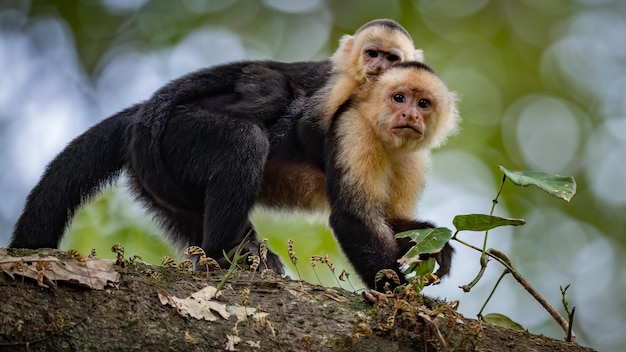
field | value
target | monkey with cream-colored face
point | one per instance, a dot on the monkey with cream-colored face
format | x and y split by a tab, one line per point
378	153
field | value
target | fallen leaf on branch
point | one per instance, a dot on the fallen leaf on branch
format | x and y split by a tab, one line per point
231	342
201	305
47	270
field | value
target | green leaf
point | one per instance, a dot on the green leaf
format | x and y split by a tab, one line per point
482	222
423	268
563	187
416	273
420	268
426	240
503	321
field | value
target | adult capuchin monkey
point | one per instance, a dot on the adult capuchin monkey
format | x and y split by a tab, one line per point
196	151
377	154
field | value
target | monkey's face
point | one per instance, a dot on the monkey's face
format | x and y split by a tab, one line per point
375	60
406	113
417	112
379	52
411	109
372	51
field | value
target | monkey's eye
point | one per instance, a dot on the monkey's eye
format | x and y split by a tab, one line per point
399	98
424	103
372	53
393	58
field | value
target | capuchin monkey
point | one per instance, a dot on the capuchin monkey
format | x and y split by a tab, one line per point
378	153
199	152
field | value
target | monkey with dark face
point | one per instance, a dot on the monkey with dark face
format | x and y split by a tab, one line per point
378	151
198	151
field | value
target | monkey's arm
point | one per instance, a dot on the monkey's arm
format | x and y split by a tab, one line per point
369	247
357	215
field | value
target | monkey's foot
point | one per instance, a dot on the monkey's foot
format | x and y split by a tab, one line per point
271	261
253	248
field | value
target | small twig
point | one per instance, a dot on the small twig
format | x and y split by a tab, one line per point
494	202
504	261
331	267
480	313
483	266
570	334
293	257
314	260
483	257
346	275
443	347
562	322
570	314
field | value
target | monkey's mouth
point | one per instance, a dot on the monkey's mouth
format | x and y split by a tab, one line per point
407	131
371	76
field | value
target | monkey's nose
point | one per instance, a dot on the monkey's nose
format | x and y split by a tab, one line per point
411	114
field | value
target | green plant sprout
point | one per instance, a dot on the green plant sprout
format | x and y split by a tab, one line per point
237	258
430	241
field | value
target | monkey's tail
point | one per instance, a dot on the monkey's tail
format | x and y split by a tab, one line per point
82	169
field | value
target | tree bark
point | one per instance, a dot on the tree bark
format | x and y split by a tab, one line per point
301	317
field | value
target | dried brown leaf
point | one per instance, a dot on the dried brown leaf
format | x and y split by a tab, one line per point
92	273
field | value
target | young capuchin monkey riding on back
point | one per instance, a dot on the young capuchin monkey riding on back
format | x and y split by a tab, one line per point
207	147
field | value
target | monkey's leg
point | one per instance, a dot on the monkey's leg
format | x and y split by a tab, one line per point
221	157
185	228
181	224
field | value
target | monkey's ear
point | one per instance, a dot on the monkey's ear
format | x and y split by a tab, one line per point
418	55
346	43
342	57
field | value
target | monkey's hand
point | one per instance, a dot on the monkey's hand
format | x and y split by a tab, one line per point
443	257
374	297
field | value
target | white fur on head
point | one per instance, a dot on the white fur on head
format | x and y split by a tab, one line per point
418	55
346	42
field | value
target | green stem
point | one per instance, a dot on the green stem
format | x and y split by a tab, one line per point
480	313
233	263
553	312
493	208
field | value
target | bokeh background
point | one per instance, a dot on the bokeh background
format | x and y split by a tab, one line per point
543	88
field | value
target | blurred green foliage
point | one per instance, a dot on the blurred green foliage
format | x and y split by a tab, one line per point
111	219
